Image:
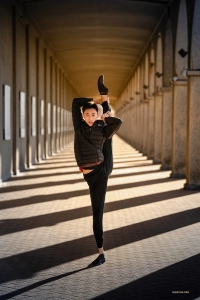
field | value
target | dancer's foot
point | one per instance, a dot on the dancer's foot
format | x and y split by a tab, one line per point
103	90
98	261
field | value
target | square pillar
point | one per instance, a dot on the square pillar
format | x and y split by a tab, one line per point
151	113
193	132
158	128
141	125
134	123
145	127
138	131
166	148
179	109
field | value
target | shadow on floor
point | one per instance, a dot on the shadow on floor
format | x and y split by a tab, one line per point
167	283
25	265
64	161
66	195
137	173
27	176
38	284
136	165
8	226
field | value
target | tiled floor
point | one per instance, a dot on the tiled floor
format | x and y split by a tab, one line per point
151	226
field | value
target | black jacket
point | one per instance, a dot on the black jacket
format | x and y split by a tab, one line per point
88	141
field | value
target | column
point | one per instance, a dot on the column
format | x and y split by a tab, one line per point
134	123
151	113
166	150
138	132
158	128
141	125
179	107
193	132
145	127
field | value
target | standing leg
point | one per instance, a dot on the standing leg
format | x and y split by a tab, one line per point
97	182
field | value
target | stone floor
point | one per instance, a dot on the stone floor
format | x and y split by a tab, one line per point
151	226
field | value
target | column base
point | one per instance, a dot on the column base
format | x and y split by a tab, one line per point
156	162
150	157
165	168
6	177
16	172
191	186
22	168
181	176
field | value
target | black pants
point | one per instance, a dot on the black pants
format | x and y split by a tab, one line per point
97	182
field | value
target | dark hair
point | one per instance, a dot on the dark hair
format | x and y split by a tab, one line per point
89	106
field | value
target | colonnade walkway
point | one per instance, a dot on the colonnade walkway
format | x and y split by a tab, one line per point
151	226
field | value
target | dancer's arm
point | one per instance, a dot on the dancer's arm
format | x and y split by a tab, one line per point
76	110
113	125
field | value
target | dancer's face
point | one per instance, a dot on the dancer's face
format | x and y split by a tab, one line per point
90	115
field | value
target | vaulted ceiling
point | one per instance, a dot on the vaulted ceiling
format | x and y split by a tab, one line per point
93	37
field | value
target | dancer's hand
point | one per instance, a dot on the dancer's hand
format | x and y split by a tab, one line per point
106	115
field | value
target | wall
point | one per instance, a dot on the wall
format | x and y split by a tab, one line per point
6	78
29	66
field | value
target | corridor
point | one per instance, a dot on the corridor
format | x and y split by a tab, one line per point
151	226
148	53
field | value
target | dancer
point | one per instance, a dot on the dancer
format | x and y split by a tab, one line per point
93	153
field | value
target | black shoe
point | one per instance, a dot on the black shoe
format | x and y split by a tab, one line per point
103	90
98	261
